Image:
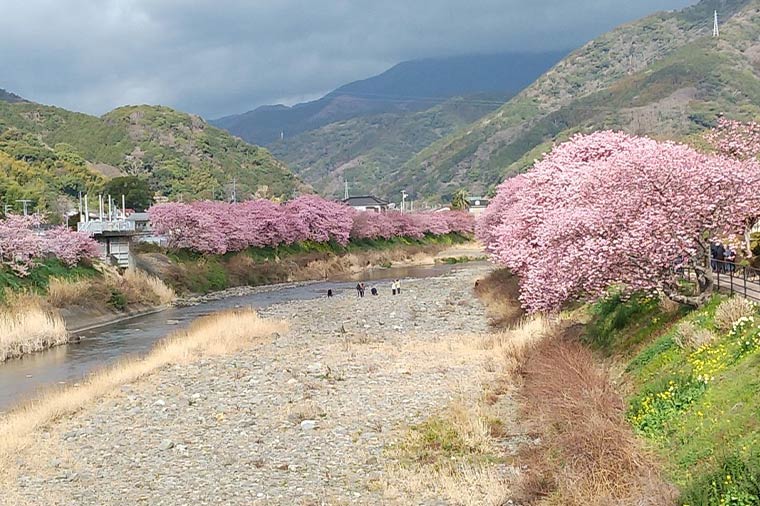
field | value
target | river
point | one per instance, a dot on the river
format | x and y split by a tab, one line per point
22	379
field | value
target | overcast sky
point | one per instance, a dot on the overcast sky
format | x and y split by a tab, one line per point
217	57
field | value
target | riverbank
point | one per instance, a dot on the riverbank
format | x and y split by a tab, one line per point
58	302
350	406
637	400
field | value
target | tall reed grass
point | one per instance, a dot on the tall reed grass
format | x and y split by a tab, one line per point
27	326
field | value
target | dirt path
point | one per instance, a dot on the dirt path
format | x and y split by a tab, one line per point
318	416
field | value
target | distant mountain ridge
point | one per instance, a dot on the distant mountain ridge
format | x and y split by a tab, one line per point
407	87
664	76
7	96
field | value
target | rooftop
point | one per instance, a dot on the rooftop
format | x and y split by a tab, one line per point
365	200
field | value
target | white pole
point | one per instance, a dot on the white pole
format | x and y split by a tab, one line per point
123	207
110	208
86	208
100	207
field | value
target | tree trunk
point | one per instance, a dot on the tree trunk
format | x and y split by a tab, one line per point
705	285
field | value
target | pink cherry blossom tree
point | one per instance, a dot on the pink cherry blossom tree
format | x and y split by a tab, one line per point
610	209
736	139
23	243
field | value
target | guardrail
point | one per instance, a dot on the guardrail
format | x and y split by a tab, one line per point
737	279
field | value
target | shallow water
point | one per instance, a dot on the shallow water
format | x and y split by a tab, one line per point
21	379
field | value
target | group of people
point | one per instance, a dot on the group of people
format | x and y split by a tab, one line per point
361	288
722	258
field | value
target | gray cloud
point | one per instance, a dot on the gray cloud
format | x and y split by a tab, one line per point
226	56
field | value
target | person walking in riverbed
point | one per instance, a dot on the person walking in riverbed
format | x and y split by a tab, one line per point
398	287
359	290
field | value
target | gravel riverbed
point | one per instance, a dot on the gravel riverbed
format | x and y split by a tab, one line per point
304	419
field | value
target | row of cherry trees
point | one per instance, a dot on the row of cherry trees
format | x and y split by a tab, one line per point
218	227
611	209
23	243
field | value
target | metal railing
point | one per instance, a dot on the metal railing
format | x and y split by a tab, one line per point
737	279
99	227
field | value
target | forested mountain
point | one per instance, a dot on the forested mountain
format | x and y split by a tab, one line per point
664	76
48	152
369	151
407	87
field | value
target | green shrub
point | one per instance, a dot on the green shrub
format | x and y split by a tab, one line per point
117	300
735	482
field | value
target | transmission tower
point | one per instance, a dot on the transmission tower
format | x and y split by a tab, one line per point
716	28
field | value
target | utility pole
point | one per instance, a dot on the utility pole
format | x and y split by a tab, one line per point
403	200
25	203
716	28
346	196
234	189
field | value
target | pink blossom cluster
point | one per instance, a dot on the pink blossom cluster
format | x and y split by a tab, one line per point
218	227
736	139
611	209
368	225
23	243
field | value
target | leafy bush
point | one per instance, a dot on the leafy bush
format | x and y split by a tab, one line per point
117	300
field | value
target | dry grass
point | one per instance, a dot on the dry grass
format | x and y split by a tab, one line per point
511	345
463	486
499	292
137	287
588	455
65	293
451	455
142	283
27	326
219	334
730	310
691	336
457	453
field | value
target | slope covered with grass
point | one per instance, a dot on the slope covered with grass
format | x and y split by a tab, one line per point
692	390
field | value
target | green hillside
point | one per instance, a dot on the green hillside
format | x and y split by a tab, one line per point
180	155
370	151
663	76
